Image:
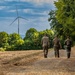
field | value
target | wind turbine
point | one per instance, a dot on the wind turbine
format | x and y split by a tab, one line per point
18	18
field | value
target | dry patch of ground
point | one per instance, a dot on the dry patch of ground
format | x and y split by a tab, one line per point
15	60
33	63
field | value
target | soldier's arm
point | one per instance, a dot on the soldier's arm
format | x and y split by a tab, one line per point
60	45
71	43
53	42
48	42
42	41
65	42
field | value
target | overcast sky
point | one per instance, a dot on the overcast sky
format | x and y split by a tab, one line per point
35	11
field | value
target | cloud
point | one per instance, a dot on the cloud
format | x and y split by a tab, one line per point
2	7
28	10
36	1
39	2
8	0
1	1
31	11
12	11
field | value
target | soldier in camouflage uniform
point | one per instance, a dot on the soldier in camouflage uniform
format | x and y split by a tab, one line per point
45	44
57	46
68	44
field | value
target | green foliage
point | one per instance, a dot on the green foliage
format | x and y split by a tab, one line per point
54	24
65	14
15	41
62	19
30	33
2	49
28	44
13	38
4	39
32	40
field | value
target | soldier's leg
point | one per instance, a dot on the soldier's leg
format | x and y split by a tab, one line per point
68	52
55	51
58	52
46	52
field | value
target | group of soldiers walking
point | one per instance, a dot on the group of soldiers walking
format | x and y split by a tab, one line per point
56	44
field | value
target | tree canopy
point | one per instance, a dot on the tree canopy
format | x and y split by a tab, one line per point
65	15
62	19
4	39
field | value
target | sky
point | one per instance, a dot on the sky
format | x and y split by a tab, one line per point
33	13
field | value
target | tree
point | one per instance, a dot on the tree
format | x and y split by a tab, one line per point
4	39
30	33
15	41
65	14
54	24
31	39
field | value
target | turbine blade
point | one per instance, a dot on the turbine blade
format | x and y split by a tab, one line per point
17	10
23	18
14	21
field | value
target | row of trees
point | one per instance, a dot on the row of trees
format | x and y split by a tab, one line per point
32	40
62	22
62	19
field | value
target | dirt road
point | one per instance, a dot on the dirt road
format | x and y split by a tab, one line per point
37	65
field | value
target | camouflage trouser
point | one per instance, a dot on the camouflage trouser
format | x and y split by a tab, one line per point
45	48
68	49
56	51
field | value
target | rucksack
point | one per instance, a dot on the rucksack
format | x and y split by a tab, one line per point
68	43
56	43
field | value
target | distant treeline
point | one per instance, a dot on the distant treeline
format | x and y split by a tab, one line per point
32	40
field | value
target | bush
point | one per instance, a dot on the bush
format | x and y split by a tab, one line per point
2	49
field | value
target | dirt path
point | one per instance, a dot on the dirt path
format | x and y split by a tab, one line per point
37	65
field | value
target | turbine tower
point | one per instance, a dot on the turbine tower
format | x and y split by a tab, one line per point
18	18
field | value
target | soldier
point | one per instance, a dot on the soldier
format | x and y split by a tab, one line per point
57	46
45	44
68	44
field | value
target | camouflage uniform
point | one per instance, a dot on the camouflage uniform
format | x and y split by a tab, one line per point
45	45
57	45
68	44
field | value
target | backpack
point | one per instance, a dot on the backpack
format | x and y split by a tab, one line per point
56	43
68	43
